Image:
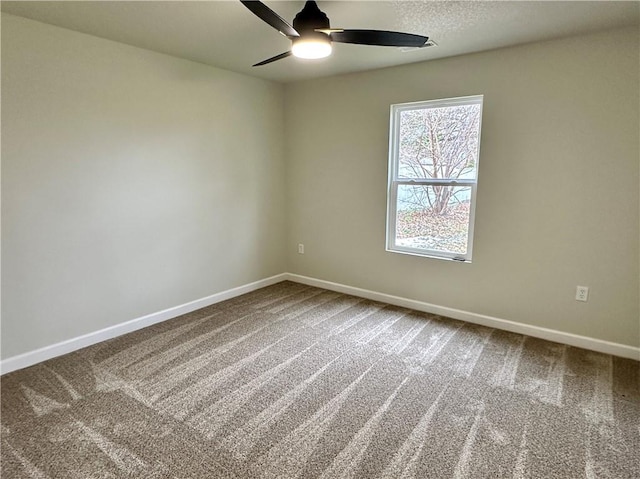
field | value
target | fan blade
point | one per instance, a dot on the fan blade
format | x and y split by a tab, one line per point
378	37
273	59
269	16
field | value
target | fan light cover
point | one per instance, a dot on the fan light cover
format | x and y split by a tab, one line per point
311	48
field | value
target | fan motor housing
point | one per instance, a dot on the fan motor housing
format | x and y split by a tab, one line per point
310	18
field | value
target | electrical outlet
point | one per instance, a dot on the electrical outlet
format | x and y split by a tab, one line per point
300	248
582	293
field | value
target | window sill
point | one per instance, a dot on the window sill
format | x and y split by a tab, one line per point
428	255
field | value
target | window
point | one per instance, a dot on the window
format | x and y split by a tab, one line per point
433	174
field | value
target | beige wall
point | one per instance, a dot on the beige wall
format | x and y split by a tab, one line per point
134	182
557	199
131	182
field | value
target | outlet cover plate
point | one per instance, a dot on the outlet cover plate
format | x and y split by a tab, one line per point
582	293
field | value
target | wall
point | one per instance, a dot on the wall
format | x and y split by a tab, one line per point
131	182
134	182
557	201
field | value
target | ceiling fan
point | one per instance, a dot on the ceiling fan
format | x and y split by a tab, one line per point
311	35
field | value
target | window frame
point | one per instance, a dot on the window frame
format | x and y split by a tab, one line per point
394	182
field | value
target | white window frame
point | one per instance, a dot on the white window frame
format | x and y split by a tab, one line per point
394	181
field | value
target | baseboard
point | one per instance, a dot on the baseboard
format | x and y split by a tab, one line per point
585	342
48	352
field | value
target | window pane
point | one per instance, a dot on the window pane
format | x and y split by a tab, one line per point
439	142
433	218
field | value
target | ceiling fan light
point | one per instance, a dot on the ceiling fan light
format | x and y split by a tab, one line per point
311	48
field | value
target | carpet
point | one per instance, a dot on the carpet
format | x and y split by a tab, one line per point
295	381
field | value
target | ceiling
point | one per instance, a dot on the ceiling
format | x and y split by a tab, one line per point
227	35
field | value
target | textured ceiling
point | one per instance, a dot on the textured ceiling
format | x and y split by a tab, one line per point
227	35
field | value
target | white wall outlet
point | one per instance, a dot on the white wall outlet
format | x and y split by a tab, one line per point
300	248
582	293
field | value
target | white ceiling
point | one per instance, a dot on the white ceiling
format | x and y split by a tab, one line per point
227	35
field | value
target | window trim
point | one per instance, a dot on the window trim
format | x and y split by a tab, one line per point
393	181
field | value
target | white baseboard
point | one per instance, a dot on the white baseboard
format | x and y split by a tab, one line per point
48	352
585	342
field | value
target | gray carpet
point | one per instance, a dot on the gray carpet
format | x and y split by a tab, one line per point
294	381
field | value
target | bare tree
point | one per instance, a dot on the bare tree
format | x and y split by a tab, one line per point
438	143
